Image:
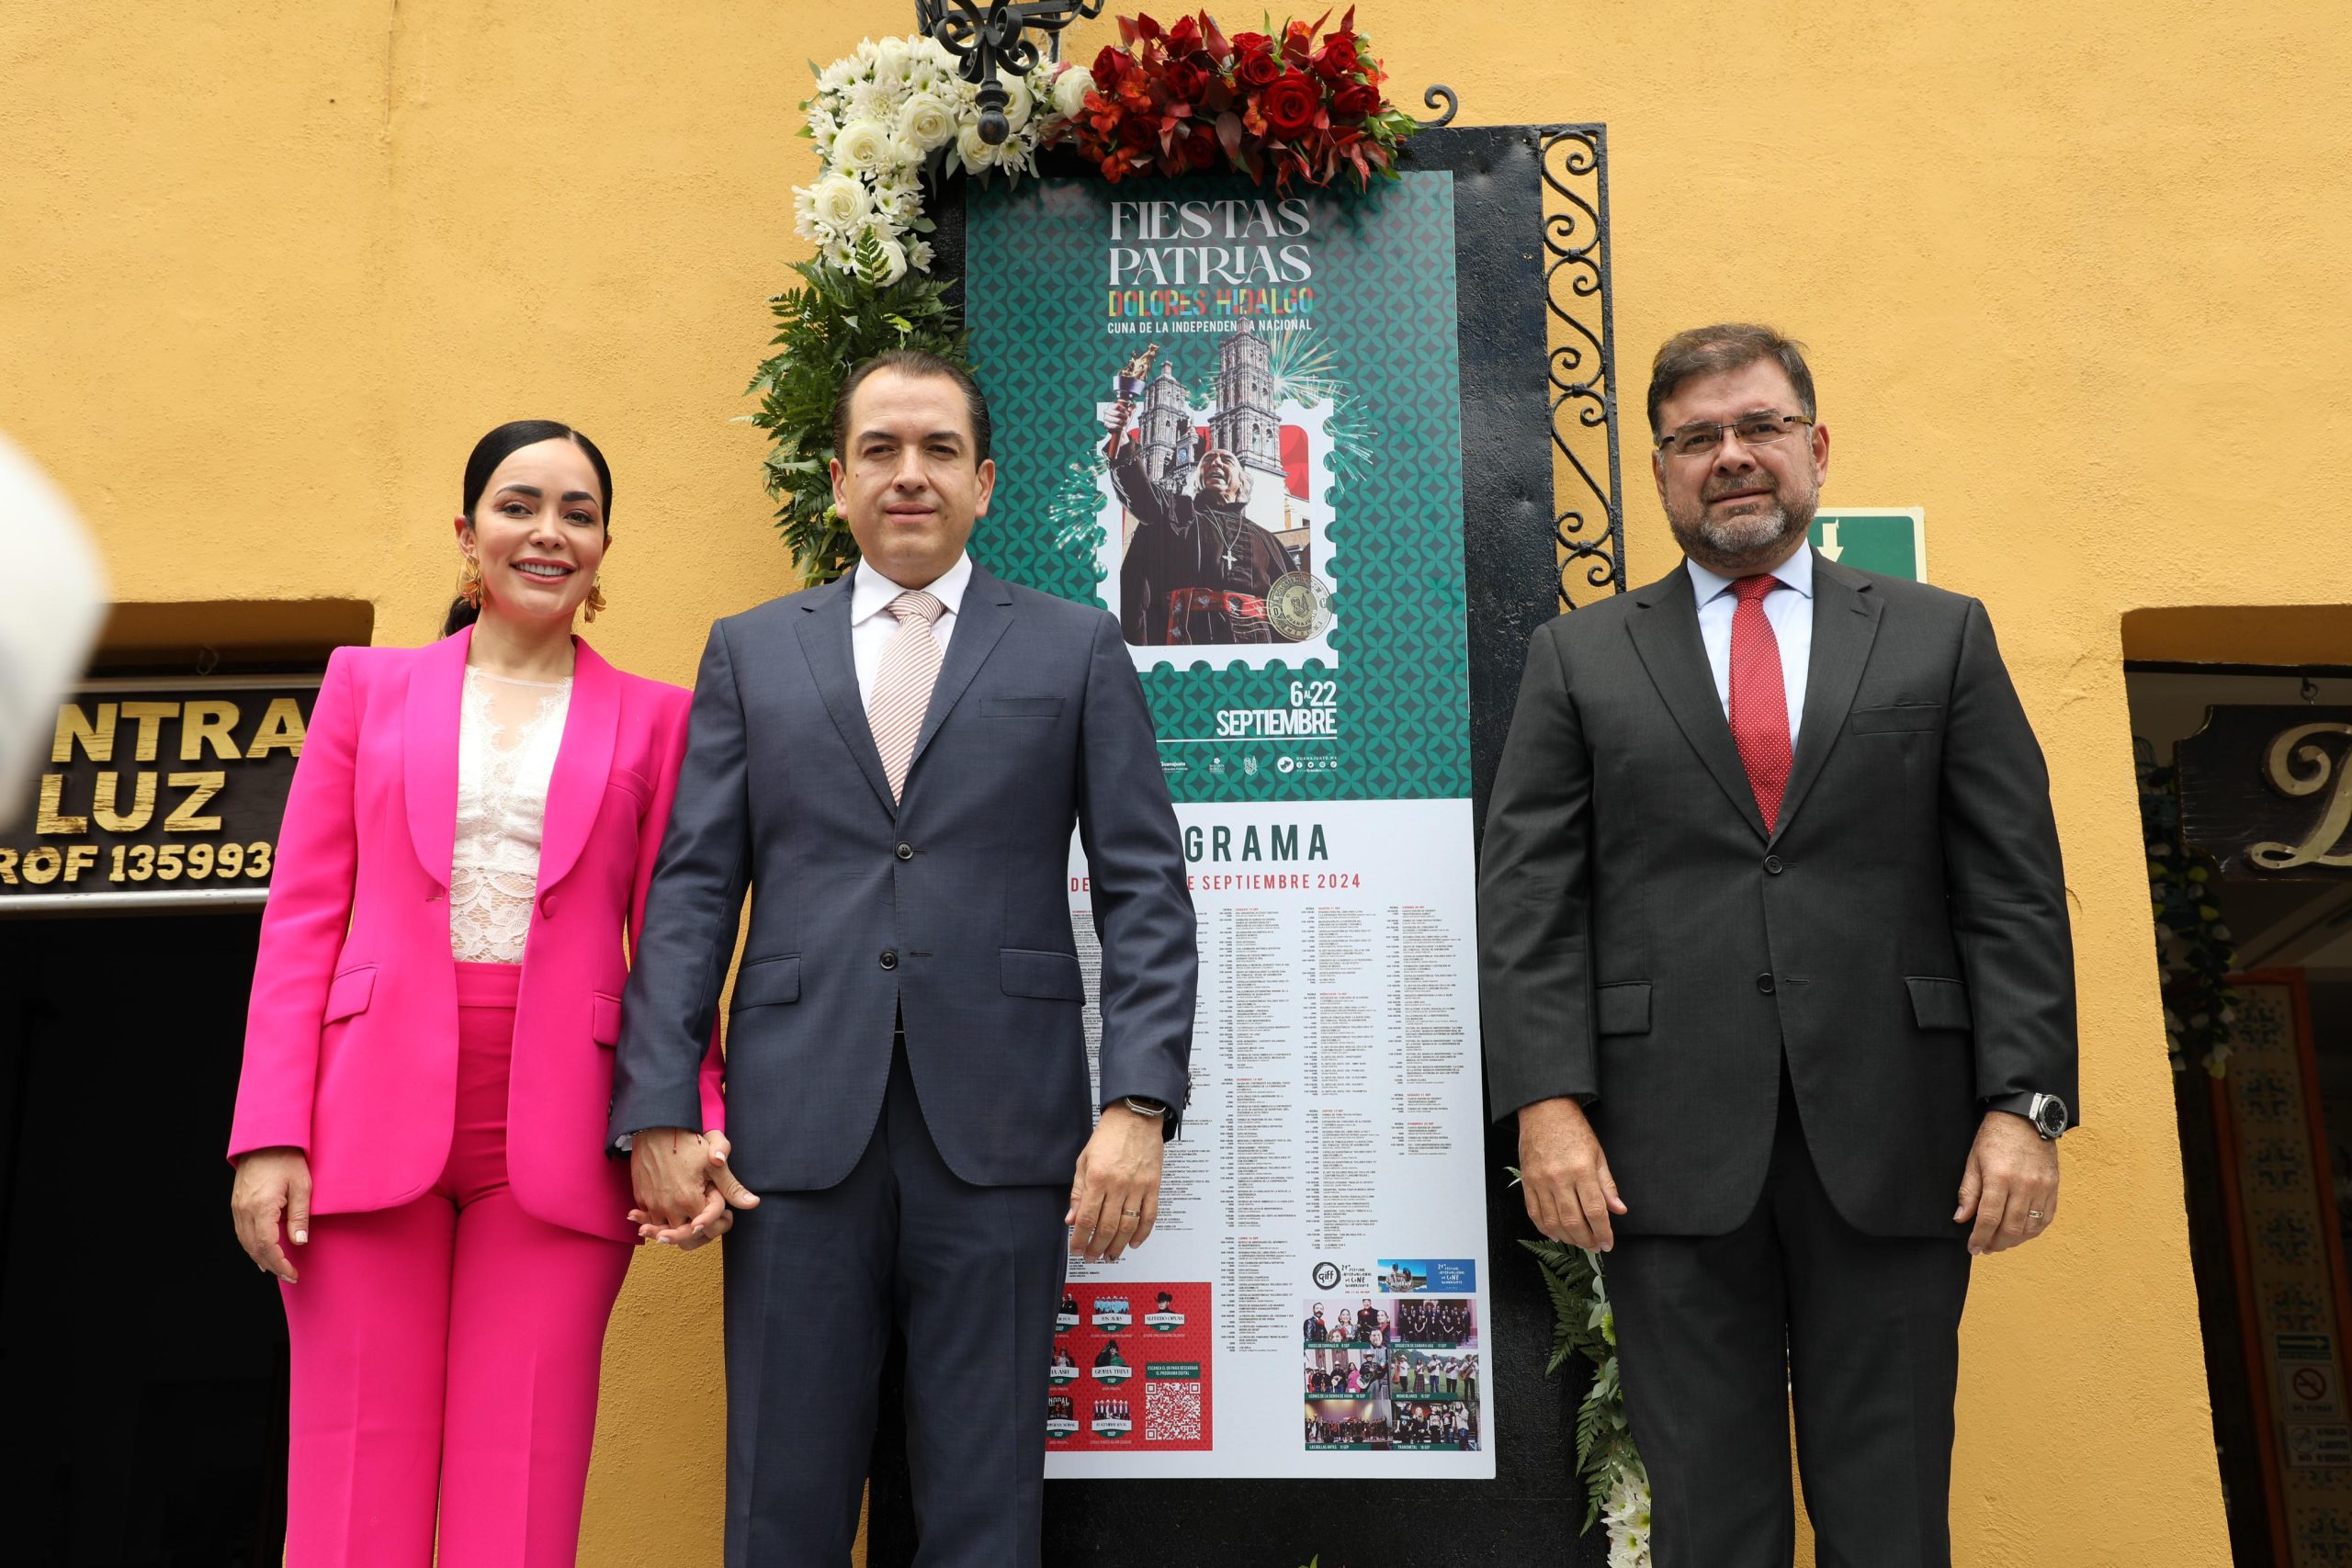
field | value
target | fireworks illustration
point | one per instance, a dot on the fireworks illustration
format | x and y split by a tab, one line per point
1305	372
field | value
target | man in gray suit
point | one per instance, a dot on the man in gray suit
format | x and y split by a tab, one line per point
1770	906
892	764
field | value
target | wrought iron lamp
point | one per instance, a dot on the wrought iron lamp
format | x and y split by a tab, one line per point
989	36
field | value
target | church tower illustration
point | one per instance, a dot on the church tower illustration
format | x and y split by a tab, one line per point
1245	423
1166	426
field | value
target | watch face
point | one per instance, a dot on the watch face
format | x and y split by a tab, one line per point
2050	1115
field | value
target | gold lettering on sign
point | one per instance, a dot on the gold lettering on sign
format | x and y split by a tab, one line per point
282	729
142	802
149	717
53	819
201	788
207	723
73	725
2295	765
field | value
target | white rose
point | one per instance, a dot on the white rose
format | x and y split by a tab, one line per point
1019	103
926	121
840	201
891	58
1069	91
976	153
863	146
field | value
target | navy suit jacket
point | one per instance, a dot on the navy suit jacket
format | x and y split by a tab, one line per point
950	909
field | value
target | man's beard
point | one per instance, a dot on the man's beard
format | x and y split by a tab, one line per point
1743	541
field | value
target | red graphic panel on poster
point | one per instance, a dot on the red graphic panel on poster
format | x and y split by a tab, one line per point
1130	1367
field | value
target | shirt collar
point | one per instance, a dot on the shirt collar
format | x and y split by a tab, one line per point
1795	573
871	593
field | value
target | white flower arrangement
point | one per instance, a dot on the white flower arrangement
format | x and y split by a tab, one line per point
1626	1512
879	114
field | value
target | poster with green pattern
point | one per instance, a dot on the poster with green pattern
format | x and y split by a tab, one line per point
1278	521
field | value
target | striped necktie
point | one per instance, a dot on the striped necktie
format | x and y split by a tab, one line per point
902	687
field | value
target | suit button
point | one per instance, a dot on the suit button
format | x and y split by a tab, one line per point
547	906
906	852
1764	983
889	958
1772	864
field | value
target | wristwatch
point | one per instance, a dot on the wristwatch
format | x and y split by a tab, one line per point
2046	1111
1155	1109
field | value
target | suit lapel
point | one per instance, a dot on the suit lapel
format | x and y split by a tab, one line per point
429	720
986	611
583	763
824	641
1845	624
1666	635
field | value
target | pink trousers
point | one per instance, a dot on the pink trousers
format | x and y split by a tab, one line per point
446	1353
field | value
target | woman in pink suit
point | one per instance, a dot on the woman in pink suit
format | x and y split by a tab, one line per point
428	1055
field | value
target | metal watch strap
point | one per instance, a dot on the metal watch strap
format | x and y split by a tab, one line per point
1154	1108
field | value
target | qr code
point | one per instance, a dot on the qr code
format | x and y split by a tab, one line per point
1171	1411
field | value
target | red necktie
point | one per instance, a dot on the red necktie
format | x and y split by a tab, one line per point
1759	697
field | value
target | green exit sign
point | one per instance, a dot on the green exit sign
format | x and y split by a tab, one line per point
1889	540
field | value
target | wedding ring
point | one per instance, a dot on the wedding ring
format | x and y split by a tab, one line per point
1131	1214
2033	1214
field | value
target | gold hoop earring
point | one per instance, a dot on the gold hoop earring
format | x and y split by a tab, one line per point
595	600
469	582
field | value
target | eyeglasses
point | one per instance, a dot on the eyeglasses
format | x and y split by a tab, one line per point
1753	429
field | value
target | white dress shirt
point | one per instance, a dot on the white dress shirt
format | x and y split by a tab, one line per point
871	624
1789	608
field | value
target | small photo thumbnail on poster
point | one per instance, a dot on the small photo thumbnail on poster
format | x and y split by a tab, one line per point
1061	1419
1339	1427
1441	1276
1437	1322
1113	1418
1434	1399
1341	1373
1110	1363
1354	1320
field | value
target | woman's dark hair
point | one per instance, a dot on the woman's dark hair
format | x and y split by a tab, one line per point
495	448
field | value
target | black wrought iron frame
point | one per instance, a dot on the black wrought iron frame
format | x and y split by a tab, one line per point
1580	357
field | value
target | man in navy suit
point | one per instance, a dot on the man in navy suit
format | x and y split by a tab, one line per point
892	764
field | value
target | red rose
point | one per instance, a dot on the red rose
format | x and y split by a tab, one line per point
1291	104
1184	37
1338	57
1252	43
1136	133
1110	65
1187	82
1256	71
1356	101
1199	147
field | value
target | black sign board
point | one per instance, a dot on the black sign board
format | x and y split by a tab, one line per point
160	793
2267	791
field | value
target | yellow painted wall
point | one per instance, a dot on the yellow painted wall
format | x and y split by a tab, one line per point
2073	277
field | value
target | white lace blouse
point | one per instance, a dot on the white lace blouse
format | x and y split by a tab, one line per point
507	741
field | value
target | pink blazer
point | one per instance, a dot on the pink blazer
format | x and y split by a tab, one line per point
351	1041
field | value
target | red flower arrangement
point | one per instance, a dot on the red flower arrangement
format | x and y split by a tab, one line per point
1286	109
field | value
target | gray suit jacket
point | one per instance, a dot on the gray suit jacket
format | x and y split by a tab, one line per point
1646	945
950	909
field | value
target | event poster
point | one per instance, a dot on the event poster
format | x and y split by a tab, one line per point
1233	419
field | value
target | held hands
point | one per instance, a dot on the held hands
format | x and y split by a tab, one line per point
2010	1188
272	1184
1114	1201
1570	1194
686	1193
